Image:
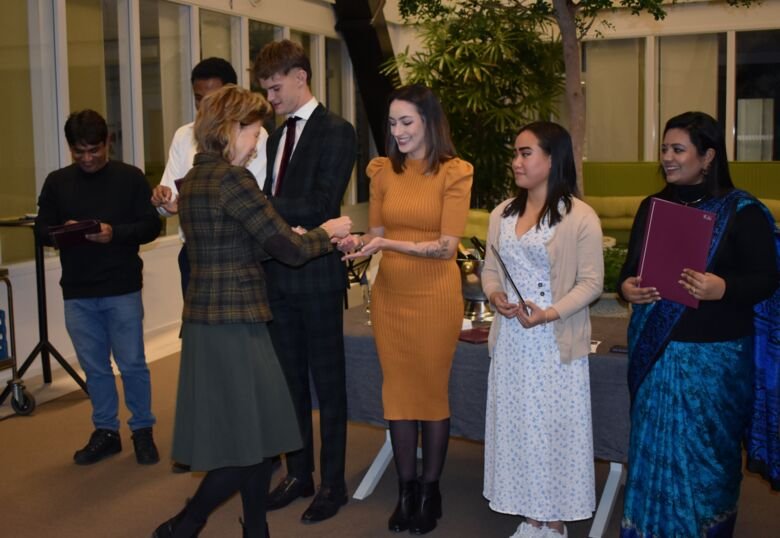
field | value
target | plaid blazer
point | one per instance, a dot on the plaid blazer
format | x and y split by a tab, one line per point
314	183
230	228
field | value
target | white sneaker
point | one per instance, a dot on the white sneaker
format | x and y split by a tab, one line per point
526	530
550	533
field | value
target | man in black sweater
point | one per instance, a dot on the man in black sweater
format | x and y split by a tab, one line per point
101	280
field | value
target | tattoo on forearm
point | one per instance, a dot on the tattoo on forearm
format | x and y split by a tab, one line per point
437	250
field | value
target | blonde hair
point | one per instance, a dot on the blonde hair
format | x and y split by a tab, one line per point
219	113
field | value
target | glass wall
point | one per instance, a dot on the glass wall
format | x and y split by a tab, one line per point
757	94
688	75
216	31
334	75
165	83
93	63
17	187
613	75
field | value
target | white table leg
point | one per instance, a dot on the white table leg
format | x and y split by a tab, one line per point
615	478
377	469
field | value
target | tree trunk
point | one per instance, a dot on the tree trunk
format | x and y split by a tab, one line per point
565	13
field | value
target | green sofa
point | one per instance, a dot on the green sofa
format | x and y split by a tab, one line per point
615	189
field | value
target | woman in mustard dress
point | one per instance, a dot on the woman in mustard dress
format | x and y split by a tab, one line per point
418	208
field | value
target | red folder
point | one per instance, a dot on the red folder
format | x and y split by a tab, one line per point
676	237
67	235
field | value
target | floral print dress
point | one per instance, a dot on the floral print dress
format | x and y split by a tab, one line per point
538	433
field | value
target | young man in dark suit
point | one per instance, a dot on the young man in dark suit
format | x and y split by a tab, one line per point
310	161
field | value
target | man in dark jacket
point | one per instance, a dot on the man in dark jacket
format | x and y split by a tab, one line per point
310	160
101	280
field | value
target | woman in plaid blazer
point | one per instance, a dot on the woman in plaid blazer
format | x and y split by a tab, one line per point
233	408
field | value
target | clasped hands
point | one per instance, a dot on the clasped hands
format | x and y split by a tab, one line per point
529	315
353	246
702	286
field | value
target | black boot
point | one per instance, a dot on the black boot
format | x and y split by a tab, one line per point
404	510
428	509
168	529
245	533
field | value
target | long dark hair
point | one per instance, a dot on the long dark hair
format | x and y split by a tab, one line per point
555	141
438	142
705	133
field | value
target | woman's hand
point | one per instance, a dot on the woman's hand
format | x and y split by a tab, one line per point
636	295
532	315
372	247
349	243
504	307
703	286
338	227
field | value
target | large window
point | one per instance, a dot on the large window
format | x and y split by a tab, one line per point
334	75
216	36
17	187
688	75
93	64
757	94
165	83
613	94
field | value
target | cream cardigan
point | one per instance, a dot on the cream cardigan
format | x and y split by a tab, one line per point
576	278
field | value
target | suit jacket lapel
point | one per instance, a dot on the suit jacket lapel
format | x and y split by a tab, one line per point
303	149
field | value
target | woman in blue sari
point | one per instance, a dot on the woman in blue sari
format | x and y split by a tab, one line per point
691	371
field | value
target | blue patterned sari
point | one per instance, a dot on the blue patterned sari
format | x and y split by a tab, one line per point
691	403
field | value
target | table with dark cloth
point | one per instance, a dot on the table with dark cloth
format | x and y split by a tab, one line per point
468	390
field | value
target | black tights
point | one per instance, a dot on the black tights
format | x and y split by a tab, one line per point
218	486
435	437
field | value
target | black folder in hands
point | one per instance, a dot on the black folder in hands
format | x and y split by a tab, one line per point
509	278
67	235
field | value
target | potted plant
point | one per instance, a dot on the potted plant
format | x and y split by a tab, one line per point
610	304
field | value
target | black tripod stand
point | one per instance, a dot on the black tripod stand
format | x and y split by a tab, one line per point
43	347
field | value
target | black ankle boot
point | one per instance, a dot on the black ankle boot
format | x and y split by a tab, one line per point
407	504
245	533
168	529
428	509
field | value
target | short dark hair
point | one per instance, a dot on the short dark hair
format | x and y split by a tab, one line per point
554	141
705	133
214	68
438	142
281	57
86	127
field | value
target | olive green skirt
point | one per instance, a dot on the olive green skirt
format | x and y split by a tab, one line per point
233	407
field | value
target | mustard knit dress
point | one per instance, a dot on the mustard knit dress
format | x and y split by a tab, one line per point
416	302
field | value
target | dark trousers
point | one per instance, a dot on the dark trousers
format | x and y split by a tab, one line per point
308	336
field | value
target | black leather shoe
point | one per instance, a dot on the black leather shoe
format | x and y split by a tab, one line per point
325	505
145	449
404	510
102	444
178	468
428	509
168	529
245	533
287	491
